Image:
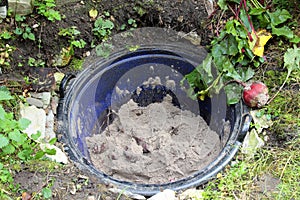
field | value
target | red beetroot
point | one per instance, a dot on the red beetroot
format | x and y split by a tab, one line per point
255	94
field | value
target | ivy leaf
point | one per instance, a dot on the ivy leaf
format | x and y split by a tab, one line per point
279	16
292	59
3	141
283	31
222	4
246	73
205	70
233	93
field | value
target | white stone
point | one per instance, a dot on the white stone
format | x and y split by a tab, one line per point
49	130
127	194
46	99
36	116
192	193
59	157
164	195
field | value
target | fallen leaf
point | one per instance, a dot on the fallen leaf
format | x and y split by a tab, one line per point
26	196
259	40
251	143
93	13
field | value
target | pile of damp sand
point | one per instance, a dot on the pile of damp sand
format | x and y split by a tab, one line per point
157	144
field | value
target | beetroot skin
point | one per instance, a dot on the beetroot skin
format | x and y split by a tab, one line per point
255	95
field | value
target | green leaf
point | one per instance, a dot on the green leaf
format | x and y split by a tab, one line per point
204	70
292	59
8	149
36	136
233	93
283	31
39	154
18	137
50	151
25	154
5	95
47	193
279	16
3	141
222	4
2	113
257	11
52	141
246	73
295	40
23	123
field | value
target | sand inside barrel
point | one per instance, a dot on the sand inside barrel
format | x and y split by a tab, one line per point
159	143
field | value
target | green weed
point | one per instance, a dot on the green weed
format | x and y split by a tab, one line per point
15	145
46	9
102	28
232	53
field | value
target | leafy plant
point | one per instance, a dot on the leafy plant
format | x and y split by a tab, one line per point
238	50
15	145
46	8
36	62
72	33
23	29
102	28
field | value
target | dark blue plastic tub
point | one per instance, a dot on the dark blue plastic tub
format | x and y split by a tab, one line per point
96	90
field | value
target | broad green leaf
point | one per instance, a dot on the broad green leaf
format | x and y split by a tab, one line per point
246	73
222	4
8	149
50	151
295	40
256	11
52	141
25	154
233	93
205	70
279	16
3	141
5	95
36	136
23	123
39	154
17	136
2	113
283	31
292	59
47	193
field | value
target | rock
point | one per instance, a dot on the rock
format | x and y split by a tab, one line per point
54	104
49	129
166	194
35	102
36	116
192	193
59	157
46	97
91	198
21	7
127	194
